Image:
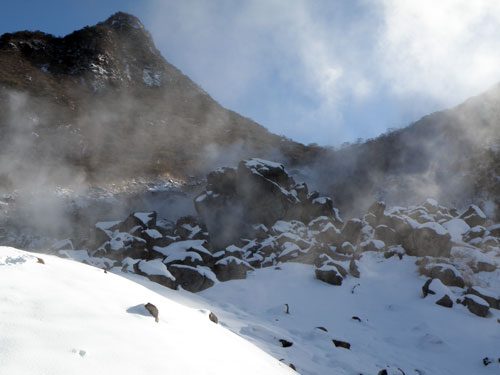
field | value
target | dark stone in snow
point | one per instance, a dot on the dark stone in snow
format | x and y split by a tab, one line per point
153	310
425	289
476	305
341	344
285	343
213	318
493	300
329	276
445	301
353	268
447	274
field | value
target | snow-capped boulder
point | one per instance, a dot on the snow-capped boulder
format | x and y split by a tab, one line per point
473	216
328	274
351	231
446	273
476	305
193	279
428	239
492	298
329	235
155	271
377	209
144	220
445	301
230	268
475	232
190	228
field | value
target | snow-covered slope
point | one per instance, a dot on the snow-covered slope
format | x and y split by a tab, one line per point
382	315
64	317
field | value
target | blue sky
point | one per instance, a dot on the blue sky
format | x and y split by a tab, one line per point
315	71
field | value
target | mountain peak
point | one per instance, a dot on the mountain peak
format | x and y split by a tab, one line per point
122	20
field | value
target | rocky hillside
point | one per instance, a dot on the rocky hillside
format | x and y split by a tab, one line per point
103	104
451	155
256	216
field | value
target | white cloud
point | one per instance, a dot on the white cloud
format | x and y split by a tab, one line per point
447	49
324	56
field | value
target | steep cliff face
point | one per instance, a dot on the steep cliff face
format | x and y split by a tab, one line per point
104	104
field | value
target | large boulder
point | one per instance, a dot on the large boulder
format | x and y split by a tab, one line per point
258	191
428	239
446	273
329	274
155	271
473	216
230	268
193	279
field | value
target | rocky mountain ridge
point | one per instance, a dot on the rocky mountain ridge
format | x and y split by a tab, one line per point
103	104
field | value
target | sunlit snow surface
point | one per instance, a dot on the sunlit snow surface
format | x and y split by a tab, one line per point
398	328
64	317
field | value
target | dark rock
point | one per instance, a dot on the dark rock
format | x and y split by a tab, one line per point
286	343
445	301
162	276
322	329
474	216
382	372
213	318
97	238
329	275
431	240
153	310
193	279
144	220
493	300
351	231
190	228
446	273
341	344
494	230
476	232
483	267
329	235
222	181
346	248
476	305
40	260
425	289
377	209
386	234
394	250
292	367
372	245
353	268
231	268
487	361
356	318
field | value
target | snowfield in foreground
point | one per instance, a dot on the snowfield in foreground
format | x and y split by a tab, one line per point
394	329
64	317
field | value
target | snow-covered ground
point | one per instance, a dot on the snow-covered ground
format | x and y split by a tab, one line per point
398	330
64	317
